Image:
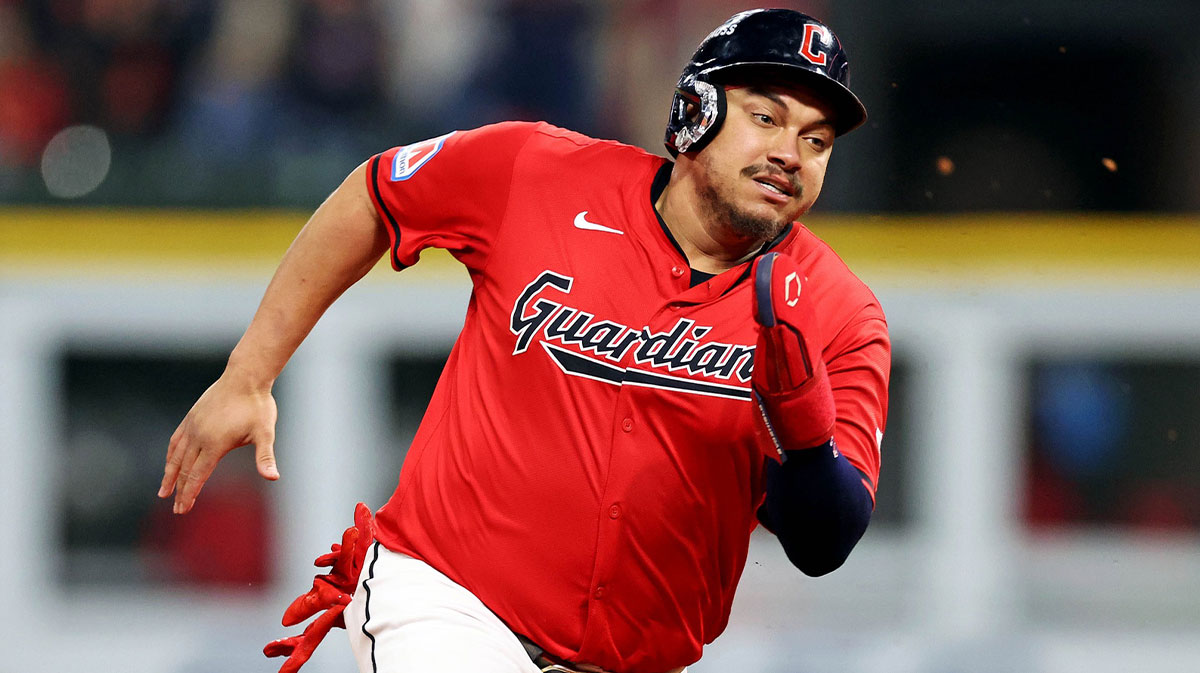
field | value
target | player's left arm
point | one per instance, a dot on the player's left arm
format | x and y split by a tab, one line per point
823	403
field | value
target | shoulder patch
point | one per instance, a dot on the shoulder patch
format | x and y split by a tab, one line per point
410	158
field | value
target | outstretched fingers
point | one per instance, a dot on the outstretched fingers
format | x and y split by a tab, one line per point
185	488
194	471
175	449
222	420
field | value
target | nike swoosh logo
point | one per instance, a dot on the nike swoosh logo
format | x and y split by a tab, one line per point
582	223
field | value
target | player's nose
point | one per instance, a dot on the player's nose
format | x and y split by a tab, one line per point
784	152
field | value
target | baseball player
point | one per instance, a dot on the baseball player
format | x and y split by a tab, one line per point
657	357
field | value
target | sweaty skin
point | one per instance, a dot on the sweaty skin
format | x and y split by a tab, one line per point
717	205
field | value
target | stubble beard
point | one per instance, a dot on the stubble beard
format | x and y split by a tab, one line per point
723	209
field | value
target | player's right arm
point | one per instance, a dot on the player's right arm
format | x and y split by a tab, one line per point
340	243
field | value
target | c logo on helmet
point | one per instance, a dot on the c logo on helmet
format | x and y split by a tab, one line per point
808	47
792	278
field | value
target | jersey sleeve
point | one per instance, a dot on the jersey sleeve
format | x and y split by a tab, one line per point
447	192
858	370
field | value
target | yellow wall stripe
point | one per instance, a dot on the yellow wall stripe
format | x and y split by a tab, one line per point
48	239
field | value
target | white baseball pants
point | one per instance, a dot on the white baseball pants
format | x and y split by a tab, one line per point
407	617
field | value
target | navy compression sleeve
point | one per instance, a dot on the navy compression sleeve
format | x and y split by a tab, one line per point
817	506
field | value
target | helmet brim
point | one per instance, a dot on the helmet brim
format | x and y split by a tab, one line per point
848	111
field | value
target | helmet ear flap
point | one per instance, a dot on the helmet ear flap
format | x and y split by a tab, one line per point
790	46
691	130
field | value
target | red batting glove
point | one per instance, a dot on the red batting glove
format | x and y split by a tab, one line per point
299	648
330	592
790	385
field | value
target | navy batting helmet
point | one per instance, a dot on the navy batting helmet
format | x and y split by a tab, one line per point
793	46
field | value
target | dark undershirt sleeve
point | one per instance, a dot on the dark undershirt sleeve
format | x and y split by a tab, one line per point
817	506
816	502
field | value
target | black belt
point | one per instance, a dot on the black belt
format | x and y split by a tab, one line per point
548	663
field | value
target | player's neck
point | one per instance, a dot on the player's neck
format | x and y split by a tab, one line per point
709	246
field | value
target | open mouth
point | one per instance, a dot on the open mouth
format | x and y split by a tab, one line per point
776	185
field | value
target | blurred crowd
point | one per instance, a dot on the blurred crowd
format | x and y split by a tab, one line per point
270	102
119	65
193	89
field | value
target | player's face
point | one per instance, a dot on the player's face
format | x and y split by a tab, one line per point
767	163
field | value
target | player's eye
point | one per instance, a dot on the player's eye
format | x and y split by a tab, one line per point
763	118
817	142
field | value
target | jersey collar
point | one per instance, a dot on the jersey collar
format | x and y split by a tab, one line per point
661	178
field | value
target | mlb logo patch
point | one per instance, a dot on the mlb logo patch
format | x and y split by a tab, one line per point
411	158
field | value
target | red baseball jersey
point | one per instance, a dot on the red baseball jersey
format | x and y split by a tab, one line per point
589	464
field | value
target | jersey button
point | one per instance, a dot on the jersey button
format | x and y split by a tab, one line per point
627	425
614	512
677	271
599	593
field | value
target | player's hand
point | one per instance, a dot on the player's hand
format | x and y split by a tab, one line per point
790	385
230	414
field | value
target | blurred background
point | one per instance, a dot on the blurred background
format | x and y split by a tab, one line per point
1024	199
